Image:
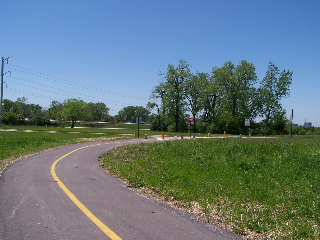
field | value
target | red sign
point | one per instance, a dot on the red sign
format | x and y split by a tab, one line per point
190	120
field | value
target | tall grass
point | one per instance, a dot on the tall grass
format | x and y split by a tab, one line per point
259	188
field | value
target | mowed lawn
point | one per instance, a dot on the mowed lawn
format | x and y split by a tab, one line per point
15	145
259	188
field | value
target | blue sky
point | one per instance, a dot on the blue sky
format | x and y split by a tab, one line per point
112	51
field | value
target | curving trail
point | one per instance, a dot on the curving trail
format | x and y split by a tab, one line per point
63	194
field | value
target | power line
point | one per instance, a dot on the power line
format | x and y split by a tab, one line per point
74	94
71	83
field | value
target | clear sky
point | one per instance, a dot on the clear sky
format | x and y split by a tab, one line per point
112	51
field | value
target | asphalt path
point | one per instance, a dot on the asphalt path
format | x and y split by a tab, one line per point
64	194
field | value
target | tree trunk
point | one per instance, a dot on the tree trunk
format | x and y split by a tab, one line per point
72	123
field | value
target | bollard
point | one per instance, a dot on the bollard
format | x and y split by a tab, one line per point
208	134
145	136
225	134
162	134
181	137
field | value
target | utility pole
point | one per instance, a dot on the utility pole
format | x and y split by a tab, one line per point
2	74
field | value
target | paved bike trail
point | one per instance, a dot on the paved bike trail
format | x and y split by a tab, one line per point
33	205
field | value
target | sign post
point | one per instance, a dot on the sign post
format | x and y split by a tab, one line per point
190	120
138	121
247	124
291	118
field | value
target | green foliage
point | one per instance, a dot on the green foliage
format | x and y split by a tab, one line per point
130	113
266	187
73	110
12	118
223	99
173	94
70	109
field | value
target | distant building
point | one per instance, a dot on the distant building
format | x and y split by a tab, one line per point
307	124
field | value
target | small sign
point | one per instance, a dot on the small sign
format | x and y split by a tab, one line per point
138	120
247	122
190	120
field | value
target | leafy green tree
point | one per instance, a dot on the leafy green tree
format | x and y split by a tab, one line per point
74	110
194	92
55	109
273	88
9	106
12	118
173	100
235	85
157	104
97	111
21	106
155	119
211	97
130	113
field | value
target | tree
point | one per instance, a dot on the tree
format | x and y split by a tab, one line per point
55	109
97	111
273	88
210	100
235	85
129	114
194	92
157	104
173	99
74	110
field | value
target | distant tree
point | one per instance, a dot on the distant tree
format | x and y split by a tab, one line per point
129	114
55	109
9	106
97	111
12	118
74	110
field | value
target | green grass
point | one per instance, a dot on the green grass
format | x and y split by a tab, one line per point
260	188
16	145
106	128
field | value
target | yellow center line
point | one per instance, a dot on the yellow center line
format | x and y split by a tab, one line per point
77	202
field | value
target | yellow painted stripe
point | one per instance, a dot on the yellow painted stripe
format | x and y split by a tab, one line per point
79	204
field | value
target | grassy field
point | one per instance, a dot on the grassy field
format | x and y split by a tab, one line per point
108	128
259	188
15	145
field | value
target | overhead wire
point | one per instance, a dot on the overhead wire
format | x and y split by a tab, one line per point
70	94
71	83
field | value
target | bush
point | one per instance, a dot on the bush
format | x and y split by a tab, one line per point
40	121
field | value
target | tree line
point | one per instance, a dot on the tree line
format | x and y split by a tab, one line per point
221	100
21	112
